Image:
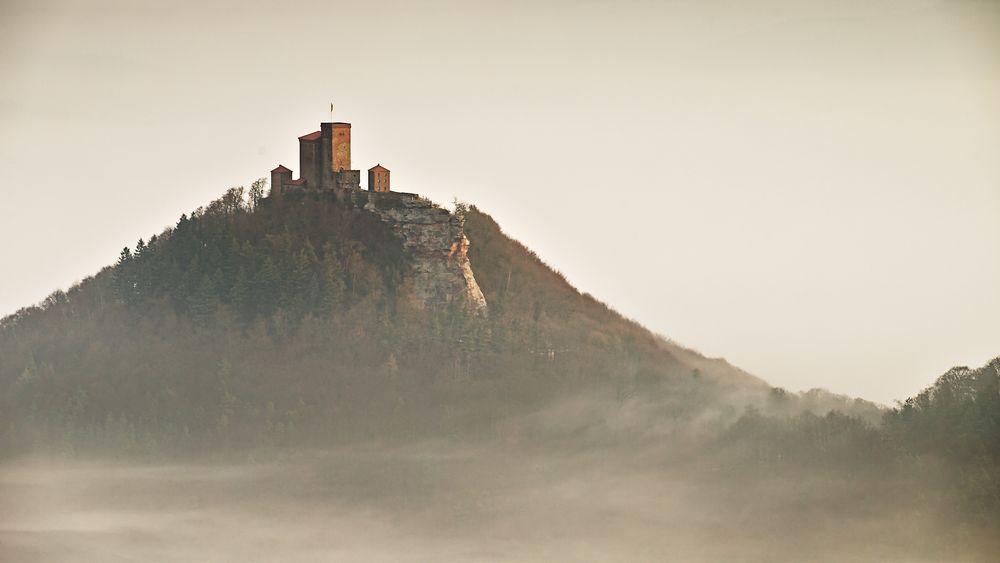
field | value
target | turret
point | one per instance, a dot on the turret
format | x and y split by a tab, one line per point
378	178
280	178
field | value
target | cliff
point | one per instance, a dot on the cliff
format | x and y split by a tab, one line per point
435	240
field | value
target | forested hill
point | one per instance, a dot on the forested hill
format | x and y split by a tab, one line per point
250	322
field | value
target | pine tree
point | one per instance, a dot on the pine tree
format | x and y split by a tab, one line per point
302	286
239	296
124	277
266	287
203	302
140	272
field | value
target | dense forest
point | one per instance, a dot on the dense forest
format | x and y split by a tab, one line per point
250	326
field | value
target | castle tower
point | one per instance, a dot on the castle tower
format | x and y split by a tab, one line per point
338	135
280	177
335	150
310	159
378	178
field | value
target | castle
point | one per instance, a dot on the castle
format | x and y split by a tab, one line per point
440	272
325	163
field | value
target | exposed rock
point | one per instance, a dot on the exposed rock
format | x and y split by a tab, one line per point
436	240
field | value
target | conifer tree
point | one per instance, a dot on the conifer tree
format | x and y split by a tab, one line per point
265	287
239	296
203	302
124	283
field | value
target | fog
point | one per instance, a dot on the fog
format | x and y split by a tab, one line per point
432	502
571	483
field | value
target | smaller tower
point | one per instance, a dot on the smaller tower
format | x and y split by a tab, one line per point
280	177
378	178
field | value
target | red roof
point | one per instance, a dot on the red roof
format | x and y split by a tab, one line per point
299	182
378	167
310	137
281	168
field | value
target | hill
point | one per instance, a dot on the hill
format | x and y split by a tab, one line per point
253	323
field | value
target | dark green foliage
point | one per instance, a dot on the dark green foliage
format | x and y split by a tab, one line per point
956	422
126	281
947	438
245	256
202	302
958	416
820	443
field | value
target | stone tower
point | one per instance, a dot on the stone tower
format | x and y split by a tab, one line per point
310	159
340	147
280	177
378	178
335	148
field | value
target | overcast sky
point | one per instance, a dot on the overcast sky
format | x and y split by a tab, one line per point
809	189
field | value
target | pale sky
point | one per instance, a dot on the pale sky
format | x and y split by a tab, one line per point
808	189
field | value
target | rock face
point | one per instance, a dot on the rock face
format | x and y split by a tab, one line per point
436	240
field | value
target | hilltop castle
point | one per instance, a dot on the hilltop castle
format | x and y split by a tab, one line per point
325	163
440	272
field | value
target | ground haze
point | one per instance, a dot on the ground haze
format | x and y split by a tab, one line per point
446	502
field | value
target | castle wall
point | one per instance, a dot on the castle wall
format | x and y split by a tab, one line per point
348	179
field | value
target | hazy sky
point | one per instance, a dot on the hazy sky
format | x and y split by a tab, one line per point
809	189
